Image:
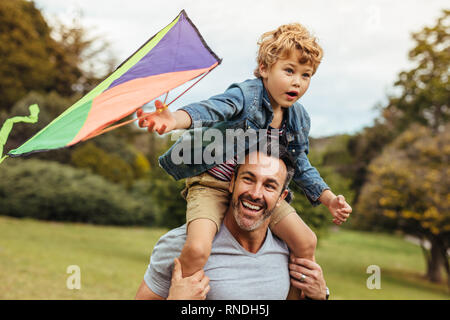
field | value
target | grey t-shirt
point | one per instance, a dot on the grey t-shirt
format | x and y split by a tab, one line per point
234	273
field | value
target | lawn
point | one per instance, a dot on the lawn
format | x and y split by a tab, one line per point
346	255
34	257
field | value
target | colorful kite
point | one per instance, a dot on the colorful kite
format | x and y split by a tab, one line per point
170	58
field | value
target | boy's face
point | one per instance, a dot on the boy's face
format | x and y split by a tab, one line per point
287	80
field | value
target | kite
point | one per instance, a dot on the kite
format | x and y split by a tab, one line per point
172	57
7	126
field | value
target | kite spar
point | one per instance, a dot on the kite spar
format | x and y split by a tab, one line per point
173	56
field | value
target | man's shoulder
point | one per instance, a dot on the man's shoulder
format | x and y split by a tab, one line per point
276	243
172	237
169	247
159	271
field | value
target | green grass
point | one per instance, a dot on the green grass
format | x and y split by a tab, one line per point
345	256
34	257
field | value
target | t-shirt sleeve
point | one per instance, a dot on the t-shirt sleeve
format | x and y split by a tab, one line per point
159	272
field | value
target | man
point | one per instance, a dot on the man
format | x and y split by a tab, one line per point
247	261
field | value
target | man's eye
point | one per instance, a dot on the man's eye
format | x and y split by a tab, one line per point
270	187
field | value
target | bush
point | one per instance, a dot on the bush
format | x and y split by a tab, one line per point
51	191
98	161
164	193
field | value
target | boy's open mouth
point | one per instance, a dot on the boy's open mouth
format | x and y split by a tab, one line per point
292	94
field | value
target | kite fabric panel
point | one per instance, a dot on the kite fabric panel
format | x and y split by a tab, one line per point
170	58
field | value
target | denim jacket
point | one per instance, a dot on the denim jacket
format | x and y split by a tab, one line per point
246	105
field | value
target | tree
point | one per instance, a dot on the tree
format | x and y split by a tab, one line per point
82	59
424	93
407	189
323	156
425	89
37	57
26	49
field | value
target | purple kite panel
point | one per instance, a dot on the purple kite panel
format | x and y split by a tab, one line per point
181	49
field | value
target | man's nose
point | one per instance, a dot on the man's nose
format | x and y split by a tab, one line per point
256	191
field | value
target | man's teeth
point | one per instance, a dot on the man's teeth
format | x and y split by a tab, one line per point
250	206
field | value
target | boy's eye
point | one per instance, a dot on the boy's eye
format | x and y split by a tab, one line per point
306	75
289	70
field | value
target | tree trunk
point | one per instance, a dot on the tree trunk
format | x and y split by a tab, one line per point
436	261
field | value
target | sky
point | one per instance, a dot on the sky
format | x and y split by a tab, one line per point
366	44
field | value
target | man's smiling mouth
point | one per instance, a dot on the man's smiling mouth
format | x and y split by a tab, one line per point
251	206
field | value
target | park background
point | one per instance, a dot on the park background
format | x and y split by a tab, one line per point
103	204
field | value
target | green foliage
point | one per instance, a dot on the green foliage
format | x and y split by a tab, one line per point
37	58
120	142
423	98
319	218
408	183
26	50
408	188
363	148
165	196
425	89
51	191
109	166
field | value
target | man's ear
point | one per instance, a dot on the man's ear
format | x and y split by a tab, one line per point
283	195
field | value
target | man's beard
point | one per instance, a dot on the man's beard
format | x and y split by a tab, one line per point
266	213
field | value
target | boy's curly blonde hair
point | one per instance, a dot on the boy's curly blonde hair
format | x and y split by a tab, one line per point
279	43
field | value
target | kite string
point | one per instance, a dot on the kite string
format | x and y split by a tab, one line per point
99	132
204	75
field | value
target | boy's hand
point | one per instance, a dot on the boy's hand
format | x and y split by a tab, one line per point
339	209
161	121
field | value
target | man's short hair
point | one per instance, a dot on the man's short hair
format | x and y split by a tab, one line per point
283	154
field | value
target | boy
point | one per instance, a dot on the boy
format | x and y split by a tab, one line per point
287	59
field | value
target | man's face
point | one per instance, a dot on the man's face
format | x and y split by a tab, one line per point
257	190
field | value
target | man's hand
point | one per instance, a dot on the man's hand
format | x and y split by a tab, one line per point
161	121
307	276
339	209
195	287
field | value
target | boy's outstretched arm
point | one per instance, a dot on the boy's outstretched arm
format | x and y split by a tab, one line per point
163	120
337	205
